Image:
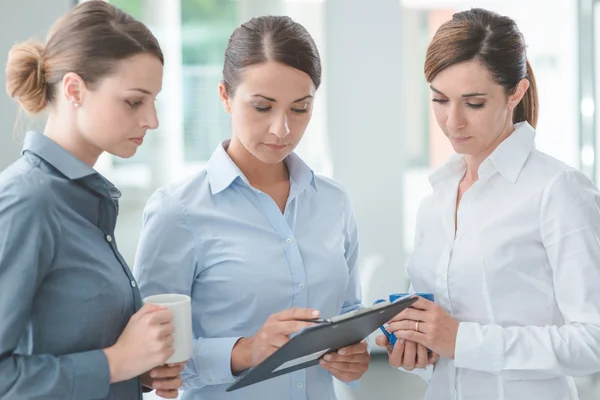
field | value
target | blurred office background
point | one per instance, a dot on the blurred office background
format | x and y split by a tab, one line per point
372	128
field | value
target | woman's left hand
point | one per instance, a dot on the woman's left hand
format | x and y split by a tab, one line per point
349	363
437	330
166	380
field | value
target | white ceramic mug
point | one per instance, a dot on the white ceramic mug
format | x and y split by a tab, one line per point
180	306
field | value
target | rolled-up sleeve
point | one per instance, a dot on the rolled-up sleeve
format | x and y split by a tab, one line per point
28	245
166	263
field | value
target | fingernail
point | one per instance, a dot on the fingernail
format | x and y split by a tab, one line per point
316	313
153	374
401	341
342	352
327	357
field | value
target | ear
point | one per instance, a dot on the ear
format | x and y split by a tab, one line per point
515	98
225	99
73	89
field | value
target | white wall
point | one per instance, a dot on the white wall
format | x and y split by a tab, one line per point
21	20
364	118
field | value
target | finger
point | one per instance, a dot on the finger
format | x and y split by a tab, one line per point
160	317
433	357
165	330
345	366
355	358
165	372
149	308
410	356
180	365
167	341
358	348
343	376
422	358
382	341
289	327
397	354
168	394
414	315
167	384
414	336
297	314
404	325
423	304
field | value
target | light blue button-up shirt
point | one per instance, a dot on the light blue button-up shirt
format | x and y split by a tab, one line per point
227	245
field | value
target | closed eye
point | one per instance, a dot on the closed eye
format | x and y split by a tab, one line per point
262	109
133	104
475	106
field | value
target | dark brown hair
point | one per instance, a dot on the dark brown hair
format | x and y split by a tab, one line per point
493	40
270	38
89	41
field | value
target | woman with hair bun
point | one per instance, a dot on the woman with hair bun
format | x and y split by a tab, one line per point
73	325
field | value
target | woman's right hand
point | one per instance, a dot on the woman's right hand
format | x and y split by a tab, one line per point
249	352
406	354
146	343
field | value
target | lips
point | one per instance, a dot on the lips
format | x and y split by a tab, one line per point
276	146
138	141
460	139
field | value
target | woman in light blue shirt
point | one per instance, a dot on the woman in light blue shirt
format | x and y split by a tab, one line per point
257	239
72	326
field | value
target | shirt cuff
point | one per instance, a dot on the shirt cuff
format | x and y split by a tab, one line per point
424	373
212	360
90	374
479	348
354	384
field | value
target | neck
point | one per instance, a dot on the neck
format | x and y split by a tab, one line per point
256	171
66	136
474	160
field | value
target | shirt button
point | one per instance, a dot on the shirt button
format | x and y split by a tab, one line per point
301	286
299	385
133	284
288	241
108	238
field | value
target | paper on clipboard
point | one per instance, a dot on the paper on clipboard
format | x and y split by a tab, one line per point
301	360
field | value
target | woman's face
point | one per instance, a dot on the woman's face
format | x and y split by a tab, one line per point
473	111
270	109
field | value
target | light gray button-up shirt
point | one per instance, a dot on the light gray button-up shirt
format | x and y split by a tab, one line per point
65	291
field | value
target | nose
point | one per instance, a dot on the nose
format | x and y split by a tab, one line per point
150	120
280	127
455	119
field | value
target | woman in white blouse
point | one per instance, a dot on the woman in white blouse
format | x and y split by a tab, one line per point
509	241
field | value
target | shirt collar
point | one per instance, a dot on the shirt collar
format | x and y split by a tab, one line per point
222	171
66	163
508	158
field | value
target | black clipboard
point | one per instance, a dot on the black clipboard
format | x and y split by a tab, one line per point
307	346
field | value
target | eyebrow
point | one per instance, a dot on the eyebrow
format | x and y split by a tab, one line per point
274	101
464	95
141	90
